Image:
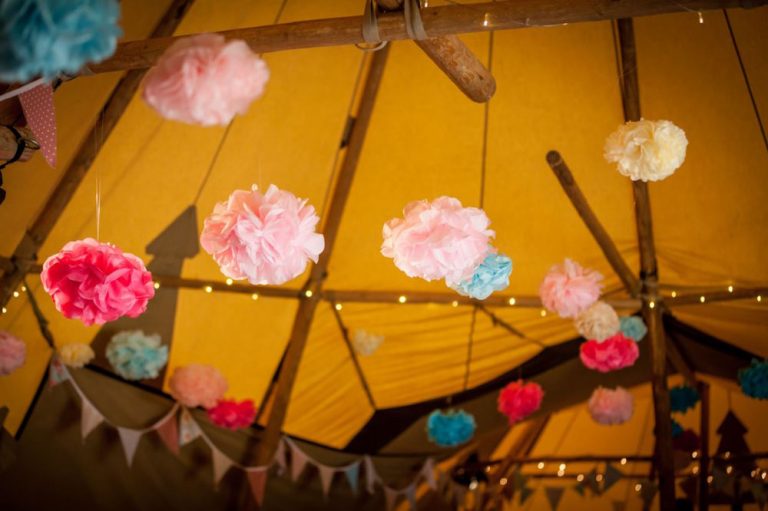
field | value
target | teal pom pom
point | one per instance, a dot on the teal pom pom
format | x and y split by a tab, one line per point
136	356
451	428
682	398
492	275
49	37
633	327
754	380
677	429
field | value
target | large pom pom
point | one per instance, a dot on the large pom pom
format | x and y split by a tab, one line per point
231	414
205	80
633	327
686	441
13	353
450	428
52	37
682	398
598	322
614	353
197	385
647	150
76	354
492	275
137	356
569	289
610	407
96	282
518	400
366	343
754	379
438	240
267	239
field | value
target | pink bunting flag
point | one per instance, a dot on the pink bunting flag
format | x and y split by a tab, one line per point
390	497
280	460
257	479
57	372
326	478
130	440
168	431
91	417
41	118
428	472
298	461
221	464
370	474
410	495
188	428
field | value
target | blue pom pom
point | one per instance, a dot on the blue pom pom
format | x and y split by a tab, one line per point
682	398
633	327
136	356
451	428
677	429
492	275
754	379
49	37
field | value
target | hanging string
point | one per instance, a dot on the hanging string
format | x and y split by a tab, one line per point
470	342
486	107
99	144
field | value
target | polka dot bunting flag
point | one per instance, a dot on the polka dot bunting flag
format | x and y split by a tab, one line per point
41	119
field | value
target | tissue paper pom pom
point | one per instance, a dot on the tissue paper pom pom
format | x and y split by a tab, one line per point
438	240
205	80
614	353
13	353
568	289
76	354
51	37
598	322
96	282
197	385
450	428
137	356
233	415
682	398
366	343
492	275
754	380
677	429
647	150
610	407
687	441
518	400
633	327
267	239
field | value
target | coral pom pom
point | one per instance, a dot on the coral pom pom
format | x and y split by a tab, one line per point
569	289
614	353
754	379
96	282
492	275
13	353
518	400
610	407
136	356
647	150
205	80
76	354
197	385
450	428
231	414
598	322
267	239
633	327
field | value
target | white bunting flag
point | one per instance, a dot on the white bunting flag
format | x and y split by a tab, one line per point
188	428
298	461
221	464
90	416
130	440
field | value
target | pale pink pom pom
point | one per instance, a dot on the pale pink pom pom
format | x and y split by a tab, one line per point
609	407
598	322
568	289
438	240
205	80
197	385
96	282
518	400
267	239
13	353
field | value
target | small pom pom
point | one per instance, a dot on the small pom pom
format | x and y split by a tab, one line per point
197	385
598	322
519	399
647	150
610	407
492	275
137	356
682	398
754	379
76	354
450	428
233	415
614	353
13	353
366	343
568	289
633	327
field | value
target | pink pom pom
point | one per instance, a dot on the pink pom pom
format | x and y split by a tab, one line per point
96	282
518	400
616	352
568	289
13	353
267	239
438	240
609	407
205	80
197	385
230	414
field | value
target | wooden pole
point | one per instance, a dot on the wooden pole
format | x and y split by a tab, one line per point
25	255
651	307
704	455
308	305
438	21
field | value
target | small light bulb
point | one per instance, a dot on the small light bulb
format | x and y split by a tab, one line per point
486	19
730	289
503	481
255	296
651	304
695	469
338	306
512	301
702	299
759	298
24	288
728	469
15	294
709	479
623	461
540	466
229	282
701	17
560	473
402	299
156	285
543	312
727	454
208	289
5	310
454	303
562	466
599	477
764	475
695	454
580	477
473	484
674	294
308	293
638	487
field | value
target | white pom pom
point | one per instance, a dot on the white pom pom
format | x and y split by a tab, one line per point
647	150
366	343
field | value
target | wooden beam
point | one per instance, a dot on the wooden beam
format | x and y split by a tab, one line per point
438	21
603	239
718	296
308	305
704	451
25	254
648	276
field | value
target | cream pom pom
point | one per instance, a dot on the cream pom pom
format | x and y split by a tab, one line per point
647	150
76	354
598	322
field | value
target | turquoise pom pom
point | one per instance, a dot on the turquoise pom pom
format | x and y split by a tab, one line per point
754	379
136	356
451	428
682	398
492	275
633	327
677	429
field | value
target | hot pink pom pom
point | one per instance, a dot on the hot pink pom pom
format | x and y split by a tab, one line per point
197	385
205	80
96	282
13	353
230	414
267	239
568	289
438	240
609	407
616	352
518	400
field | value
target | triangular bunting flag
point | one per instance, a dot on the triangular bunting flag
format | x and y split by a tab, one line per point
188	428
370	474
57	372
168	430
525	492
648	491
554	494
326	478
390	497
298	461
280	460
257	479
758	492
591	480
428	472
611	477
579	488
353	474
41	118
619	505
91	416
410	495
221	464
130	440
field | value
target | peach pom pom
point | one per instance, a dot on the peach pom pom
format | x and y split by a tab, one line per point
197	385
610	407
233	415
614	353
598	322
569	289
13	353
518	400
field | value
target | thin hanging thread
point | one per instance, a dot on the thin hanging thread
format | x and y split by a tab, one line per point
486	106
99	143
470	342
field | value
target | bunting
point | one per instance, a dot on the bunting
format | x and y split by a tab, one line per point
370	474
221	464
554	495
428	472
130	439
525	492
188	428
168	431
257	480
57	372
390	497
410	495
298	461
280	457
758	492
90	416
611	477
352	472
648	491
40	114
326	478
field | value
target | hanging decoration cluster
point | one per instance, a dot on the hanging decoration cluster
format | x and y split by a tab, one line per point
76	354
13	353
135	355
205	80
611	406
647	150
518	400
682	398
366	343
197	385
754	379
450	428
232	414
